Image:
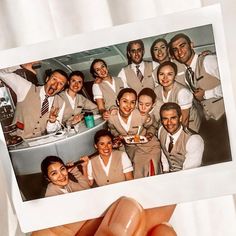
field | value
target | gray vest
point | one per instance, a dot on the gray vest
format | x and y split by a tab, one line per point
213	107
110	95
115	174
28	114
134	83
194	119
177	156
80	103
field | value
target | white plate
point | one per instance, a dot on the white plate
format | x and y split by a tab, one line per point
130	139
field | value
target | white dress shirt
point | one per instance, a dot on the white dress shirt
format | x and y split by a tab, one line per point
126	165
211	66
22	86
194	150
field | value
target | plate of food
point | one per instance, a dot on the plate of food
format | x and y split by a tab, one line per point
14	140
135	139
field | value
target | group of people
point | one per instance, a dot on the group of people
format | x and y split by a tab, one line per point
163	100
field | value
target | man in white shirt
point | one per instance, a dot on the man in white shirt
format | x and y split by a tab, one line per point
138	73
180	149
202	75
31	121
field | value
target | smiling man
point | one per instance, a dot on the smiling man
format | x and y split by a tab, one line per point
138	73
180	149
34	102
201	76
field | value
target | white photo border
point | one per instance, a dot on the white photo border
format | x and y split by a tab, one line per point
193	184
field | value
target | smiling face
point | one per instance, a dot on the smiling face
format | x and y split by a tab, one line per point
75	83
55	83
145	104
160	52
136	53
166	76
58	174
104	146
183	51
100	69
127	104
171	121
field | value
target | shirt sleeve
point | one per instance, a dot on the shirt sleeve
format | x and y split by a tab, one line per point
126	163
17	83
164	162
123	77
185	99
90	170
97	93
194	148
211	66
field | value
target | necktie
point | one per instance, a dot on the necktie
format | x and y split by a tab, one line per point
139	73
45	105
171	144
189	75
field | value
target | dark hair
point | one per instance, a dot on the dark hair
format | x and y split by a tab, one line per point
176	37
169	106
102	133
126	90
149	92
62	72
47	162
153	45
92	71
167	63
128	48
76	73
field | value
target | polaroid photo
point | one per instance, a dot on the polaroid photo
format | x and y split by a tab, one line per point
22	158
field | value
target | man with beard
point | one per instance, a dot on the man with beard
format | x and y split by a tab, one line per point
138	73
201	76
35	104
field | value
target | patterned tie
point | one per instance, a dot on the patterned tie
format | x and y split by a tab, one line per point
45	105
189	75
139	73
171	144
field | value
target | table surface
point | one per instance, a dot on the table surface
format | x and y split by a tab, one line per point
70	146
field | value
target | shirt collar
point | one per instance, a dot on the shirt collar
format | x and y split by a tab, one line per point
176	135
194	62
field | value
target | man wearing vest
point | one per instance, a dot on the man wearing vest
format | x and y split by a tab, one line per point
180	149
35	102
138	73
202	76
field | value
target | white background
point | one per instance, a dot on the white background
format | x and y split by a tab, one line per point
25	22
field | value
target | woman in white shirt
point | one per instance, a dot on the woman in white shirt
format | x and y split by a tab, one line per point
75	103
109	166
172	91
106	88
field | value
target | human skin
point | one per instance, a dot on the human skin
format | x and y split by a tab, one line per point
171	121
54	84
145	104
161	52
183	51
126	105
124	217
166	78
136	53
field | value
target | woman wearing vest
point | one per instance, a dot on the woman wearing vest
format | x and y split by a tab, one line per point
62	178
109	166
75	103
172	91
129	121
160	53
106	87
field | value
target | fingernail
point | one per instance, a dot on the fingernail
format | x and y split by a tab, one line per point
126	217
